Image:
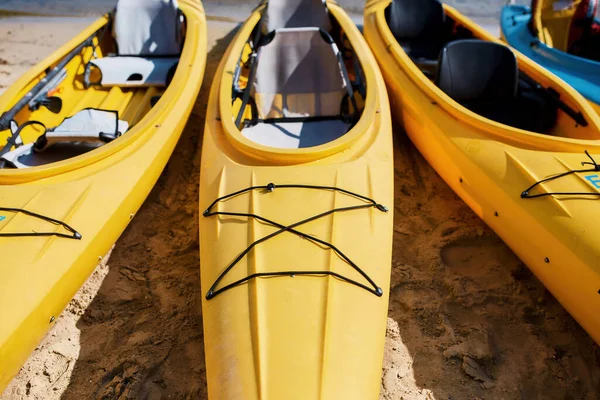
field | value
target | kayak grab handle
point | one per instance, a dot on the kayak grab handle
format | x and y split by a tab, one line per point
369	286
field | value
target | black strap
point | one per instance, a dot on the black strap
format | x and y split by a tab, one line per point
367	203
254	42
74	234
596	168
12	140
88	66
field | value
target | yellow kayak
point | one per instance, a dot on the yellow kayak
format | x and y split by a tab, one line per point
296	235
506	135
81	147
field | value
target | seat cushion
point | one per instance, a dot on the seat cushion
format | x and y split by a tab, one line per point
529	111
296	135
26	157
422	50
135	71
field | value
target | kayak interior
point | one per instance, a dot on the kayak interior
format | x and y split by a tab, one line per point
298	82
97	91
482	76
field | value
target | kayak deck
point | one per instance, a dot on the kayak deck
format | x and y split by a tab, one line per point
288	320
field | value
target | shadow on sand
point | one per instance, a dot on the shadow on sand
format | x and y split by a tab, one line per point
141	337
467	320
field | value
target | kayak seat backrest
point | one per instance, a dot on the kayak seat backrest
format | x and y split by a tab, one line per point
299	90
484	77
298	74
281	14
149	41
478	71
420	28
148	28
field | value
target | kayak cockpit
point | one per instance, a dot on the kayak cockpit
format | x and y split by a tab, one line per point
98	90
482	76
292	86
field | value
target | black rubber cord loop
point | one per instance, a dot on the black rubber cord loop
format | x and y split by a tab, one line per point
75	235
525	194
372	288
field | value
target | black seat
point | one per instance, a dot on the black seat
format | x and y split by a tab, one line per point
484	77
420	28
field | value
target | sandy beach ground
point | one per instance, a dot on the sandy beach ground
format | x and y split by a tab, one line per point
467	320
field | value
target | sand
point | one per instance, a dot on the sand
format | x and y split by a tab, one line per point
467	320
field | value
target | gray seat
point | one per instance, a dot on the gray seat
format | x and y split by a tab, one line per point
149	41
296	135
299	79
281	14
147	28
135	71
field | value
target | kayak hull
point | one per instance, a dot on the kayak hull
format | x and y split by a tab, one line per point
97	194
296	336
581	73
489	165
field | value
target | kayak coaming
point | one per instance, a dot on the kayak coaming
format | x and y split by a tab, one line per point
581	73
488	165
301	337
97	193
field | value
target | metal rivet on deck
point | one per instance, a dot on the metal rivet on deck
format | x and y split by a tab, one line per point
52	319
496	214
131	216
460	180
547	260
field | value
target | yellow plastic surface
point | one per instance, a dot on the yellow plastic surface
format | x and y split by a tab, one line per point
97	193
302	337
553	20
488	165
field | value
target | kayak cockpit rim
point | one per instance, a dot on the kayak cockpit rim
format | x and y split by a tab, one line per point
138	134
450	106
307	154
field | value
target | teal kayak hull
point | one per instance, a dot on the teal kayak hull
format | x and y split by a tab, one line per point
581	73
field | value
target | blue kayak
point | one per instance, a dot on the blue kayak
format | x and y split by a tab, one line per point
581	73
